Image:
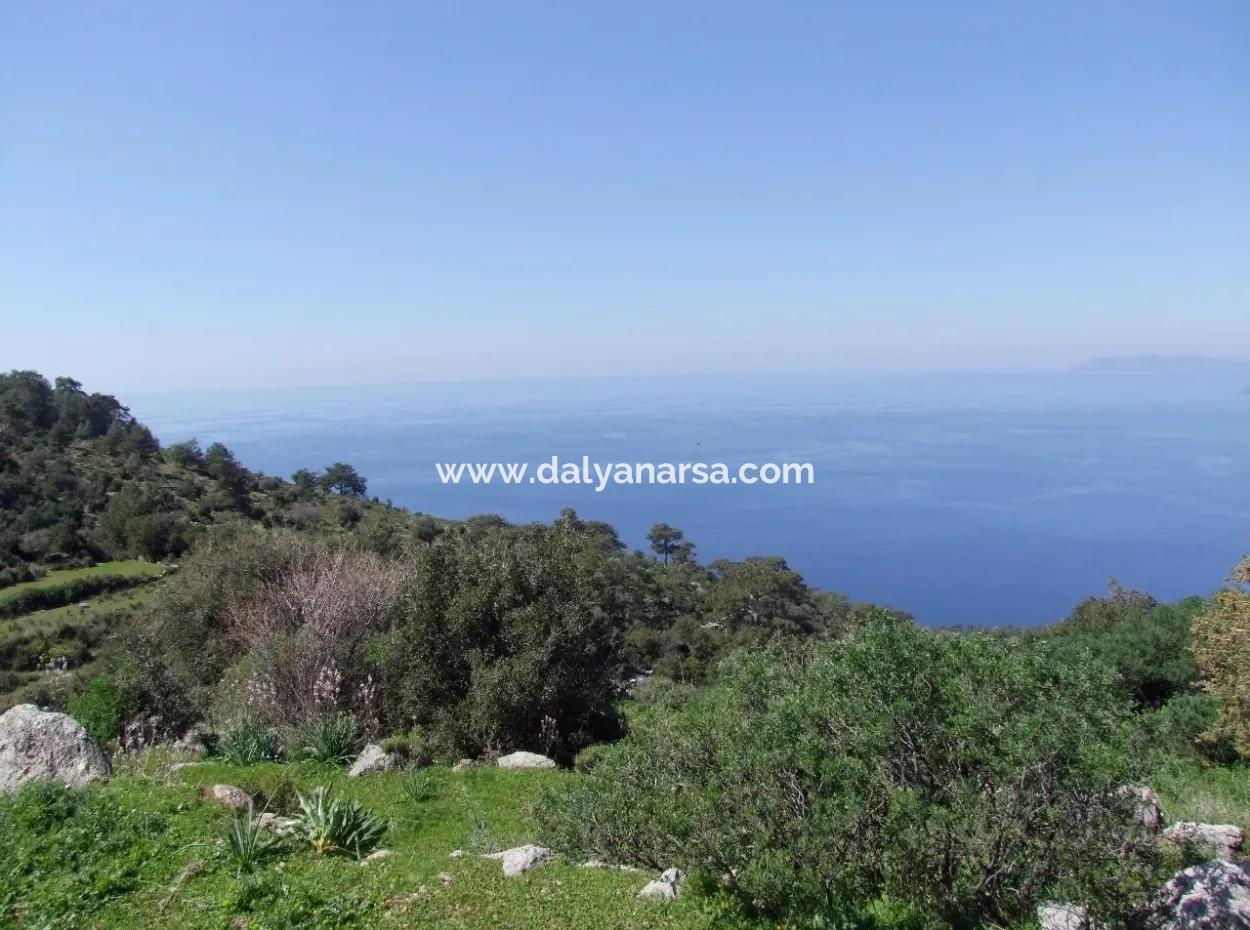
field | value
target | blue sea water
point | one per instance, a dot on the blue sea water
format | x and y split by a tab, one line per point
986	499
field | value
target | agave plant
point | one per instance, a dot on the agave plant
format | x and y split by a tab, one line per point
337	825
248	841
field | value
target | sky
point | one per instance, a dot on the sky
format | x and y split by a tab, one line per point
244	194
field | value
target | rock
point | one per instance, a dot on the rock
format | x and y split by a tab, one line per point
526	760
1212	896
601	864
464	765
377	856
1060	915
228	795
520	860
1149	812
196	739
666	887
446	878
373	760
38	744
1221	839
456	854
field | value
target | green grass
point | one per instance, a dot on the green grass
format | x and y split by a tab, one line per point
150	881
80	633
129	568
1191	790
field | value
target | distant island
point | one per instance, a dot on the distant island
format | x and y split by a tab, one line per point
1163	365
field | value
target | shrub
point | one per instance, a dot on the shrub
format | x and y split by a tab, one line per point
410	747
500	631
1222	650
332	738
965	778
106	704
248	743
337	825
248	843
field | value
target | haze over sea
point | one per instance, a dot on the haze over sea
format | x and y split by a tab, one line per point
978	499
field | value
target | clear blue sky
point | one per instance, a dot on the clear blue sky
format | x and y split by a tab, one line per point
268	193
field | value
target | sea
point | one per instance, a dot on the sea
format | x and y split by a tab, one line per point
986	499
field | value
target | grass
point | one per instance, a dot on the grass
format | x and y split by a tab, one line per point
129	568
1191	790
77	633
179	873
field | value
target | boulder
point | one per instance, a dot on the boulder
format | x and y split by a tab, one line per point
526	760
521	859
1219	839
377	856
665	888
39	744
228	795
1148	811
1212	896
1060	915
465	765
373	760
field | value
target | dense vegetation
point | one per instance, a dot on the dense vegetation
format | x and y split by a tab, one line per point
810	761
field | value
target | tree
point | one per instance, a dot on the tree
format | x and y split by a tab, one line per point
1221	637
305	481
664	540
342	478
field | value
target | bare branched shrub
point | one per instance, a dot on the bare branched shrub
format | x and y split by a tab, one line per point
305	633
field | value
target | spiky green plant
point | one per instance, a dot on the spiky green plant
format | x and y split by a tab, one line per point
247	841
248	743
332	738
337	825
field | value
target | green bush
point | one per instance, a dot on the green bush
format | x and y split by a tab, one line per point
961	778
106	704
248	743
331	738
506	639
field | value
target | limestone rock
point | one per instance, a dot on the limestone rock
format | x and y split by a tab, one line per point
1060	915
228	795
1212	896
665	888
521	859
1220	839
373	760
39	744
526	760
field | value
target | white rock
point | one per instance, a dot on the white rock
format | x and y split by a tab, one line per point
526	760
1211	896
464	765
665	888
1221	839
39	744
1149	812
520	860
1060	915
373	760
377	856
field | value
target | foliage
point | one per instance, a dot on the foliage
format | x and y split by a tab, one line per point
331	737
1147	643
106	704
248	843
58	589
967	776
337	825
499	631
1222	650
248	743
